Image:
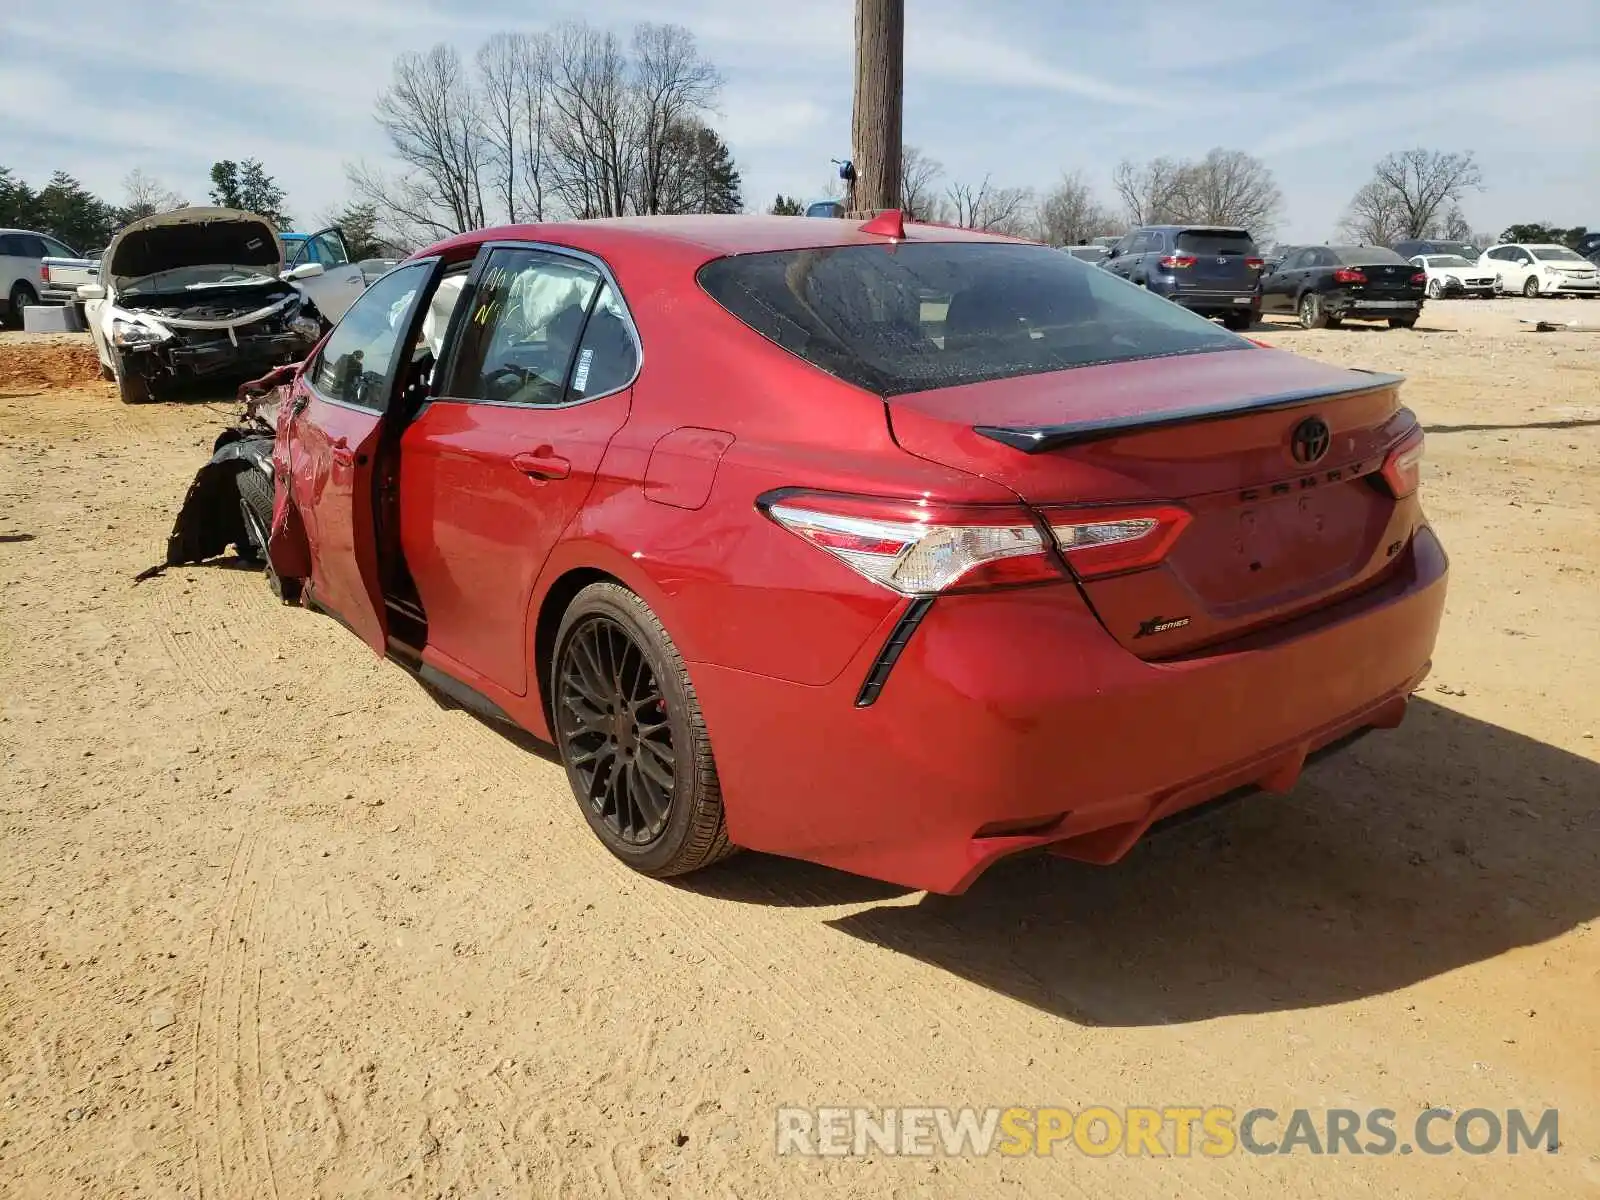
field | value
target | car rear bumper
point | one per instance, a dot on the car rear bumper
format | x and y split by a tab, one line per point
1013	721
1216	303
1343	306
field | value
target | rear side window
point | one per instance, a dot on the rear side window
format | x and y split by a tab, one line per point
1367	256
1209	243
521	340
916	316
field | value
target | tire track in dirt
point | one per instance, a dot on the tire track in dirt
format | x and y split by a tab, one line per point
233	1154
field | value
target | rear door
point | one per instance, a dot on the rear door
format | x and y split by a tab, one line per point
495	468
341	402
341	281
1226	261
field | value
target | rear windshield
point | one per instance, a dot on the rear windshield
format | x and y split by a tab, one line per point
1206	242
1368	256
916	316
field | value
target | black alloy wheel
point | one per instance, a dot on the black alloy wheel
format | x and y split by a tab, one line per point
632	736
615	733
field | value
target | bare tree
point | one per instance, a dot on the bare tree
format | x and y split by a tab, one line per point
594	140
1374	216
572	121
1071	214
1148	193
919	177
531	61
1226	187
673	83
1417	190
991	209
434	123
144	195
500	90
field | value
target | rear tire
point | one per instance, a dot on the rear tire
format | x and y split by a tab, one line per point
1238	322
632	736
1530	287
107	374
21	297
1402	322
1312	314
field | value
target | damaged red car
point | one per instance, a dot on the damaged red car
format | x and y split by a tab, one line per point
893	547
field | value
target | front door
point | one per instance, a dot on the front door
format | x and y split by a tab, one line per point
494	469
340	402
341	281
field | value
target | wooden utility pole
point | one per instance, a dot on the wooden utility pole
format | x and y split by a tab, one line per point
875	123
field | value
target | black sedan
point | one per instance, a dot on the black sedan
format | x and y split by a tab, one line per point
1327	285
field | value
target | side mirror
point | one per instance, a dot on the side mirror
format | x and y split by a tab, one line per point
303	271
91	291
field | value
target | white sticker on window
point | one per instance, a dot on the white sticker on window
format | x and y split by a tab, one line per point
580	377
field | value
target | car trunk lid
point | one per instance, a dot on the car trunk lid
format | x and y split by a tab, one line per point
1269	536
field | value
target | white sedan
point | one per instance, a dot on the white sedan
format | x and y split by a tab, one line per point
193	294
1538	270
1451	275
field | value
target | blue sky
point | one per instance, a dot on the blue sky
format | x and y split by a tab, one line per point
1019	91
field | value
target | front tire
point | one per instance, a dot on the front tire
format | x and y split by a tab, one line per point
1530	287
1435	290
255	509
132	387
632	736
1402	322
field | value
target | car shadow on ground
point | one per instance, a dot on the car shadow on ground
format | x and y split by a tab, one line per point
1443	843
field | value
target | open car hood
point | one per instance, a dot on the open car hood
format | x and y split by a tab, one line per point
192	237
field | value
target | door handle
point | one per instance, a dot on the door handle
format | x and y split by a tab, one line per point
542	463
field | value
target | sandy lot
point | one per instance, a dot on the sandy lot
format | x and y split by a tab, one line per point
274	922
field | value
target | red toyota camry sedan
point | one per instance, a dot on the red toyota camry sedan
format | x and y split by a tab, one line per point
895	548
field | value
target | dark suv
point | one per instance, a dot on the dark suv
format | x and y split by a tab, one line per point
1212	271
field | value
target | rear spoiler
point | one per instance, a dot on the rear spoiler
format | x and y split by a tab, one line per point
1036	439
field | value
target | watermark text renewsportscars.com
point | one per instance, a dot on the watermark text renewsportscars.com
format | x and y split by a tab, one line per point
1180	1131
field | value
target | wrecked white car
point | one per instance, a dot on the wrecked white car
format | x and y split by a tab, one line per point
198	293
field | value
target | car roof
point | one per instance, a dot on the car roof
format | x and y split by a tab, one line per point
701	237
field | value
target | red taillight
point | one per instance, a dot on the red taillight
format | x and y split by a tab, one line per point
44	274
918	547
1402	469
1420	278
1255	264
1346	275
1103	541
1175	261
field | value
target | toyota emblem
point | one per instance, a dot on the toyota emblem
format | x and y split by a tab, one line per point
1310	440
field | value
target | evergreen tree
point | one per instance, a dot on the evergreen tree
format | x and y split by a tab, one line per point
246	185
786	206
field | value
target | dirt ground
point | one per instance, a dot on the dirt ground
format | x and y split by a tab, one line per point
275	923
